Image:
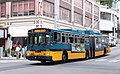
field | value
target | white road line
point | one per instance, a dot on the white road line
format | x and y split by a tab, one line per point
106	60
101	60
114	61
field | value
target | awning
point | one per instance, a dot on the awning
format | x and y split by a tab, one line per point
2	25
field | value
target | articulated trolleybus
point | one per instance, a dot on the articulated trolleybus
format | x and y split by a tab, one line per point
64	44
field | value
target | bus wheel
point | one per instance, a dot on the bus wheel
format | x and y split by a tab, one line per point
87	55
64	57
43	61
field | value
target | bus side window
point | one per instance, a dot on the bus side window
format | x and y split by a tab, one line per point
63	38
97	40
57	37
81	40
71	38
76	39
86	40
66	38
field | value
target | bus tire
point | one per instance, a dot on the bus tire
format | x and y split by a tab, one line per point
43	61
64	57
87	55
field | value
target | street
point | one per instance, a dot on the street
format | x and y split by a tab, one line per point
109	64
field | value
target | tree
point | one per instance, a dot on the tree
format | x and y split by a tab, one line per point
107	2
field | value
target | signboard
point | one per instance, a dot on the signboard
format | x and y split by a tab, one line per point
40	31
1	33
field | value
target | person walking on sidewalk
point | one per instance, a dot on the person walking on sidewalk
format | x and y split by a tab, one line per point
17	51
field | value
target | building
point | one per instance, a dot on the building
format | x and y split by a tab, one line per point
109	19
108	23
118	29
21	15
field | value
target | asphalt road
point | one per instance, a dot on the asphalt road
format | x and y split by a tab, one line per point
109	64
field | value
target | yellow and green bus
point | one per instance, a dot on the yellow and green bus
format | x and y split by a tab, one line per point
54	45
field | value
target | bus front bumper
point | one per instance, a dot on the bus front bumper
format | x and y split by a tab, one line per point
40	58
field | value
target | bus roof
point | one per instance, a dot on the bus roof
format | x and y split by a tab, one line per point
71	31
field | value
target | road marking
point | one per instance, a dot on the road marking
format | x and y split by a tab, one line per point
106	60
101	60
114	61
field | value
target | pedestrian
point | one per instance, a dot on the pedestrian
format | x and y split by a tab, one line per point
20	52
17	51
23	51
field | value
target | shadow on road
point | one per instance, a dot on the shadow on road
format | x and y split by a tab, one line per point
60	62
55	62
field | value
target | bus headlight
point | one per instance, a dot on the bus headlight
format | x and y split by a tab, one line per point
47	54
28	53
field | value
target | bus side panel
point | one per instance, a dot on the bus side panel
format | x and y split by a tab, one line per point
98	53
56	55
76	55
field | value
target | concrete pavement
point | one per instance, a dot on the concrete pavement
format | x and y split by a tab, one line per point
4	60
11	58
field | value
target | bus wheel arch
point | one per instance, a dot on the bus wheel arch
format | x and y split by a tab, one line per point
64	56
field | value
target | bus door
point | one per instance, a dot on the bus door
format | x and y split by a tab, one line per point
92	46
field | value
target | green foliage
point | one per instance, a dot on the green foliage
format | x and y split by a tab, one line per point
107	2
110	3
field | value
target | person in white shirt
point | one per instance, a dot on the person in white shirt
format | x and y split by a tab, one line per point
17	51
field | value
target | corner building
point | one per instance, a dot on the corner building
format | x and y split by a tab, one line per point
21	15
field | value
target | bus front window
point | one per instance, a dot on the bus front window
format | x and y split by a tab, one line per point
30	39
44	39
39	39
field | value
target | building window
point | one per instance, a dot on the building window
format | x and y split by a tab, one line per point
78	18
48	9
96	10
65	14
105	16
31	7
88	6
2	10
23	8
68	1
78	3
88	21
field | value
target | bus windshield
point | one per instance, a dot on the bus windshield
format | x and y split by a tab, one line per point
39	39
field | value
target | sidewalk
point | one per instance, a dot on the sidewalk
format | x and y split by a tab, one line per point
11	58
5	60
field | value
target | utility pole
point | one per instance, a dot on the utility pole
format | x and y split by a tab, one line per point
56	12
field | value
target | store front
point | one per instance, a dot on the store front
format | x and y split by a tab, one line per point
3	39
